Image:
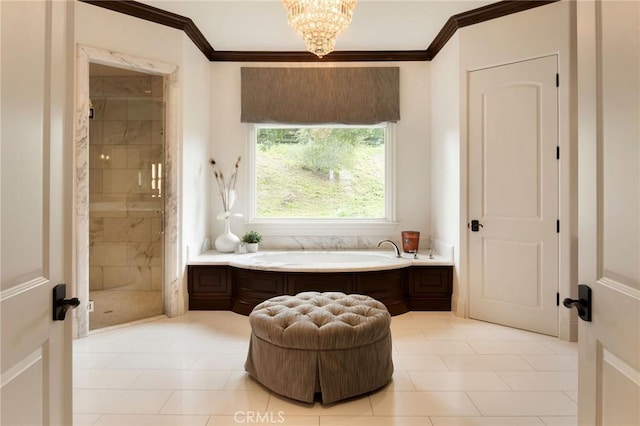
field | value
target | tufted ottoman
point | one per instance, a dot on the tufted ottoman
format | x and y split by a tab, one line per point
333	343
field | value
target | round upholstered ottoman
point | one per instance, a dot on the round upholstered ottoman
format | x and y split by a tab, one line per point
332	343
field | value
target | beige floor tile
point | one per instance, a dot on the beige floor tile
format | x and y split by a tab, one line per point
559	420
240	380
400	382
219	362
452	333
553	362
422	404
192	372
486	421
417	362
540	380
351	407
507	333
457	381
524	403
514	347
104	379
433	347
158	361
151	420
373	421
457	362
119	401
101	343
182	379
210	346
216	402
85	419
267	418
92	360
573	395
562	347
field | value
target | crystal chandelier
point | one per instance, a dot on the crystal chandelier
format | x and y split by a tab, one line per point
319	21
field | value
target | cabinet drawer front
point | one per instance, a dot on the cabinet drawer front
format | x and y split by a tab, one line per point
432	279
209	280
297	283
258	283
387	283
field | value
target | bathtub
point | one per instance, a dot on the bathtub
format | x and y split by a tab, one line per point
238	282
321	261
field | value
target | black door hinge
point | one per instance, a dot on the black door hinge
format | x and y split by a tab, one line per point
558	226
557	80
557	152
557	299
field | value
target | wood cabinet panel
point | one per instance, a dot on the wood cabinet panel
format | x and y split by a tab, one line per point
209	287
299	282
252	287
430	287
240	290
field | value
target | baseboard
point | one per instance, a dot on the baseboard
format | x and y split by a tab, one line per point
460	308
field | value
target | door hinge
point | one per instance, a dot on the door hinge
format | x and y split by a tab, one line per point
557	299
558	226
557	80
557	152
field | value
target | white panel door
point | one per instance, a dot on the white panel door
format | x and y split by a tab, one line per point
513	194
36	351
609	211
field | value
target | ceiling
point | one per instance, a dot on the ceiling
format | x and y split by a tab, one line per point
261	25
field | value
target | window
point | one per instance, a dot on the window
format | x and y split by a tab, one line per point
330	174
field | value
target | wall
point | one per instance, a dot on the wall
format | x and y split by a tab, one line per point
537	32
230	138
98	27
445	155
196	136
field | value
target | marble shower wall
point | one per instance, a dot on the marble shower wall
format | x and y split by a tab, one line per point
125	207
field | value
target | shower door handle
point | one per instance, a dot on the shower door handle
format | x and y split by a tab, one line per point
62	305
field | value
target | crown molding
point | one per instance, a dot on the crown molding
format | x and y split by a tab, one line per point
471	17
476	16
336	56
159	16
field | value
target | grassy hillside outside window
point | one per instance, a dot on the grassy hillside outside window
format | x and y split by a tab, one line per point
320	172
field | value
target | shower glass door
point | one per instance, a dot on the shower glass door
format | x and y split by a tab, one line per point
126	199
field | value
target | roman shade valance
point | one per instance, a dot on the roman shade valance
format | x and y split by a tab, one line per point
320	95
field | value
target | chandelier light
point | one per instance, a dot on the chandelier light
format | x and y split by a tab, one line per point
319	21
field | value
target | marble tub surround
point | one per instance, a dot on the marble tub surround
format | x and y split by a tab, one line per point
126	152
353	260
440	248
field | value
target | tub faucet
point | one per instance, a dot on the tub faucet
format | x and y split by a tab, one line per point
395	246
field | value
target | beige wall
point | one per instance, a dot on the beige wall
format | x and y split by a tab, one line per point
534	33
122	34
230	138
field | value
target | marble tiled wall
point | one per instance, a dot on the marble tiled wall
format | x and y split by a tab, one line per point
125	212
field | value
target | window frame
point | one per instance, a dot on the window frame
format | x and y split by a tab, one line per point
325	226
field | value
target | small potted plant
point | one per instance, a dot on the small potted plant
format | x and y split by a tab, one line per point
251	239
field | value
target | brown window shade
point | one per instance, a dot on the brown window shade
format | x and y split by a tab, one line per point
320	95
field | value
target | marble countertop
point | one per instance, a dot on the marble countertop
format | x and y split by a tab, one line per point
318	260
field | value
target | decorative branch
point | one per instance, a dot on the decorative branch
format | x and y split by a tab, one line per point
226	189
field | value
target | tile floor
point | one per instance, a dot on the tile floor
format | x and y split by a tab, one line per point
448	371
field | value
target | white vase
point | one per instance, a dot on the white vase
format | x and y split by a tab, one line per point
227	242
